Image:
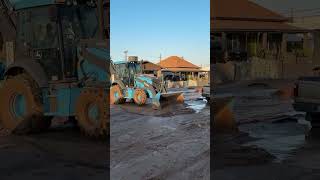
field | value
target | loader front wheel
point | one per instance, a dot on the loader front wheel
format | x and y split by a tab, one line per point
92	112
140	97
116	95
21	107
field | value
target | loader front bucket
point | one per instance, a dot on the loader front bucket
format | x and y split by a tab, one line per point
223	114
165	99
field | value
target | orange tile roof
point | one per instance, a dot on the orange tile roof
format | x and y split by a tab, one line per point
234	25
242	9
149	66
176	62
183	70
244	15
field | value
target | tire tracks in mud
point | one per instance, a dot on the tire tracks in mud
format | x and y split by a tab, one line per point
162	145
203	158
60	156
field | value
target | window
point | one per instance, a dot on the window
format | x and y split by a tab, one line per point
81	22
1	43
2	53
106	16
294	42
44	30
24	34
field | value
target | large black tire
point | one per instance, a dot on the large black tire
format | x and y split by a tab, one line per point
140	97
21	107
92	112
116	95
314	119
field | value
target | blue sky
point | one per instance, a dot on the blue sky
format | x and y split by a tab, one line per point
147	28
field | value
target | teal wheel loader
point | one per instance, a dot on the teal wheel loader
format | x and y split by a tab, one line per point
130	84
56	64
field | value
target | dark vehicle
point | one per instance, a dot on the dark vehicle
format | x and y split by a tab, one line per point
56	64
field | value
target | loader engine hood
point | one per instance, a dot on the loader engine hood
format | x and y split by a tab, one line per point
94	64
144	80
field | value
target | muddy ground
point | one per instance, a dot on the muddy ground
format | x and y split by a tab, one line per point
59	154
273	141
169	144
172	143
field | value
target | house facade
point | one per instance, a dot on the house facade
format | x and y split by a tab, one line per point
249	41
151	68
181	68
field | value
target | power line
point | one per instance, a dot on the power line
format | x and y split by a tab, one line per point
288	11
307	16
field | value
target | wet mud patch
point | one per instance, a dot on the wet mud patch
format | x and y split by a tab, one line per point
228	150
147	110
279	139
194	102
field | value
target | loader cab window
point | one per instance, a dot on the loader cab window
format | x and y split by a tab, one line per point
126	71
44	29
106	18
1	42
1	47
77	22
134	68
38	37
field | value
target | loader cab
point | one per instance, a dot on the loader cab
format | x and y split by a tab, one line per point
126	71
51	35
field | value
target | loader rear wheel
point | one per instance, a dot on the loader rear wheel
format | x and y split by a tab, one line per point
140	97
92	112
21	107
116	95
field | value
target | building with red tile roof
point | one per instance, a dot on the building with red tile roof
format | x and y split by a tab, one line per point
180	66
241	29
245	15
177	62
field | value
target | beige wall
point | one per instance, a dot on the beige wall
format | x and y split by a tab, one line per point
189	83
261	69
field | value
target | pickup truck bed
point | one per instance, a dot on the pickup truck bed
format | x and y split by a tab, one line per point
307	98
206	92
307	94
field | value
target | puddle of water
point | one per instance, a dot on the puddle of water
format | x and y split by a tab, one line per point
279	140
197	105
281	147
194	100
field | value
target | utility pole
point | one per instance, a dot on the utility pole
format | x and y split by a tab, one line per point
126	55
160	57
291	15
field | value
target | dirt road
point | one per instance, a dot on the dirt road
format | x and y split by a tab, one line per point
168	144
145	144
58	154
272	143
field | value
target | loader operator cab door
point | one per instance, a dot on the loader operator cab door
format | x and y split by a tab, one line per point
134	68
126	72
37	38
77	22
